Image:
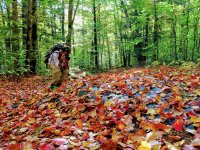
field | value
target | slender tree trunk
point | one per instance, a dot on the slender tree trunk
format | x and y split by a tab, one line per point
24	22
117	33
15	35
29	36
195	34
108	50
3	15
71	17
8	39
63	20
95	35
155	35
34	52
186	33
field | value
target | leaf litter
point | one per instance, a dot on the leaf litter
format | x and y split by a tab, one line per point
138	108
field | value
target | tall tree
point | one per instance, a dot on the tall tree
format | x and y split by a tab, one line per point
95	35
34	50
24	22
155	33
15	35
63	20
29	36
71	16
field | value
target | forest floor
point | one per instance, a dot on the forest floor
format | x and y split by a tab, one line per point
139	108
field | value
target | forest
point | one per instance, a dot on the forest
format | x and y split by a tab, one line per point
134	75
102	34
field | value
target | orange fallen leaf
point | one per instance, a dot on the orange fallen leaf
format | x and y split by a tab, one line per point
79	124
120	125
109	145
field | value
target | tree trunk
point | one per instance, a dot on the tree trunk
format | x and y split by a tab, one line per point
24	22
15	35
8	39
95	36
29	36
34	52
155	34
71	17
63	20
186	31
196	31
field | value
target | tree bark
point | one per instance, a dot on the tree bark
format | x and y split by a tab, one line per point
8	39
15	35
63	20
71	17
95	36
24	22
29	36
155	34
34	53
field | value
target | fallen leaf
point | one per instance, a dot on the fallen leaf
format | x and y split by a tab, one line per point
144	146
178	125
16	146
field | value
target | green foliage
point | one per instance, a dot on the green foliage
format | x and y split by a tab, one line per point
155	63
189	65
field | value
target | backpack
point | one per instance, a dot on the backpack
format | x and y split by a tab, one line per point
52	50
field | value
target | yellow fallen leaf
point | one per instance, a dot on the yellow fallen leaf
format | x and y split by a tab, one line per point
195	119
144	146
57	132
108	103
31	120
85	144
151	111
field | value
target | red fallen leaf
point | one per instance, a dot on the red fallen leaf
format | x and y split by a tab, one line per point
122	91
98	98
18	124
85	136
66	132
129	92
95	127
101	138
121	84
169	115
178	125
119	114
33	127
16	146
192	114
48	111
45	147
82	117
67	100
